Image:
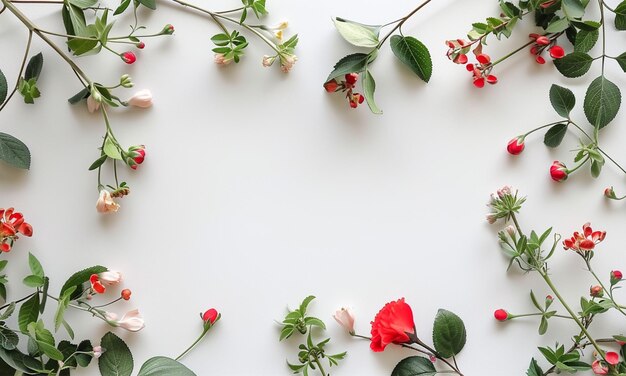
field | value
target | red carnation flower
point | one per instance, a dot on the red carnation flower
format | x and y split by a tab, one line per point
393	324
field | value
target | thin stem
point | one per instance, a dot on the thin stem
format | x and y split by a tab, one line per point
319	364
212	14
517	226
402	21
231	10
36	2
420	343
400	344
19	300
542	127
204	332
579	165
253	30
19	75
608	291
600	2
538	314
511	53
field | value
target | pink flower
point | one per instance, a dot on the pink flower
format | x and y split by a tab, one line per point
516	145
142	99
586	241
558	171
501	315
557	52
131	321
345	318
268	60
97	351
287	62
105	203
110	277
612	358
599	368
92	104
128	57
220	59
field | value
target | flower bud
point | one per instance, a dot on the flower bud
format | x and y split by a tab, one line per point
345	318
596	291
126	81
140	45
351	78
331	86
287	62
97	351
542	40
510	229
125	294
168	29
128	57
549	300
268	61
92	104
135	156
557	52
516	145
220	59
501	315
610	193
558	171
210	316
110	277
504	191
484	59
616	277
141	99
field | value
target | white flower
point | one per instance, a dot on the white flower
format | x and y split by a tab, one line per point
92	104
142	99
268	60
287	62
345	318
105	203
131	321
110	277
221	60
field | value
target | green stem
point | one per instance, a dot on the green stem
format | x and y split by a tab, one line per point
319	364
204	333
579	165
253	30
438	356
542	127
511	53
19	301
402	21
19	75
608	291
538	314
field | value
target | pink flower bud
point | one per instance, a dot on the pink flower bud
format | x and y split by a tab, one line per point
210	316
557	52
501	315
105	203
92	104
142	99
516	146
97	351
599	368
110	277
461	59
543	40
128	57
558	171
596	291
140	45
220	59
616	277
345	318
510	229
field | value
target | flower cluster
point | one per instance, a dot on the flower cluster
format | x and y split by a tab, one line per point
11	225
586	241
543	43
347	85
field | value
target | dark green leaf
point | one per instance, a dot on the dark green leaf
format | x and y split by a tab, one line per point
83	94
117	360
620	16
354	63
3	87
574	65
122	7
602	102
414	366
621	60
585	40
83	3
151	4
98	162
8	338
162	366
29	311
554	136
562	99
369	87
14	151
449	334
78	278
33	69
413	54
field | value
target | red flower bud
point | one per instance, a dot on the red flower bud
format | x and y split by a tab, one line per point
483	59
610	193
469	67
126	294
616	277
491	79
533	50
543	40
331	86
516	145
5	247
210	316
558	171
352	78
540	60
128	57
168	29
596	291
141	45
461	59
557	52
479	82
501	315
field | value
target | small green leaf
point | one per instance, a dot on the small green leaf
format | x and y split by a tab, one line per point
117	360
562	99
150	4
122	7
543	326
33	281
83	3
33	69
111	149
602	102
14	152
574	65
98	162
413	54
35	265
354	63
3	87
573	9
534	369
29	311
356	33
8	338
585	40
77	279
162	366
414	366
449	334
8	312
554	136
621	60
369	87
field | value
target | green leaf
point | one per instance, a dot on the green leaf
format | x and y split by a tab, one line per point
369	87
543	326
33	281
98	162
574	65
35	265
150	4
573	9
81	46
8	311
356	33
620	16
8	338
621	60
111	149
122	7
554	136
305	304
413	54
33	69
3	87
602	102
354	63
162	366
29	311
449	334
562	99
414	366
83	94
14	152
16	360
44	294
585	40
64	302
557	25
117	360
83	3
77	279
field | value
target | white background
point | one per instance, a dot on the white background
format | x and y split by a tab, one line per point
259	189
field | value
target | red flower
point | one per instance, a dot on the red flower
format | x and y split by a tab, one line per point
352	78
461	59
516	145
12	224
586	241
479	82
96	285
331	86
543	40
210	316
557	52
501	315
612	358
393	324
484	59
356	99
128	57
599	368
558	171
540	60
